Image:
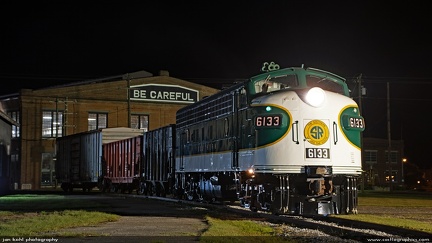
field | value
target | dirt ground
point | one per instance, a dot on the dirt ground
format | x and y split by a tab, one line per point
143	220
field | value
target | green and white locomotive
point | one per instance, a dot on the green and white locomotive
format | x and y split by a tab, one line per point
286	141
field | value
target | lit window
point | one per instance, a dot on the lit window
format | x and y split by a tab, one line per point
52	124
140	122
97	121
15	115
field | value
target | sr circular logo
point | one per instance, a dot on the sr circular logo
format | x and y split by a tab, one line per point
316	132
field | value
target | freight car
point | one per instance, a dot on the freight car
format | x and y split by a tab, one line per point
157	168
80	161
120	164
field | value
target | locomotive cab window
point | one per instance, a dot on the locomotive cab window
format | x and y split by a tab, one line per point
324	83
276	83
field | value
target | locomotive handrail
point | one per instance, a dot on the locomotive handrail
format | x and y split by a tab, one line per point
296	139
335	134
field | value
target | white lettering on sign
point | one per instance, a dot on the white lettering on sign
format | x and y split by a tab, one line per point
139	94
164	93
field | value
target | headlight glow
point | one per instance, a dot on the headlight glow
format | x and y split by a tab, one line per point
315	96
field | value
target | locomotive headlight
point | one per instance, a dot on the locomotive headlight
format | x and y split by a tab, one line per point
315	96
251	171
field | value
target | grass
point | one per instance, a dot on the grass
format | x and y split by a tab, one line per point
47	223
222	230
51	202
391	221
42	215
394	200
410	211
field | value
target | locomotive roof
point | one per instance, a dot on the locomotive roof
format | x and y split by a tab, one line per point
300	71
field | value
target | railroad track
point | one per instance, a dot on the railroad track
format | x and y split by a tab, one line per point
345	229
335	229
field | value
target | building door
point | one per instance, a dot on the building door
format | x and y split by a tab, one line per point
47	170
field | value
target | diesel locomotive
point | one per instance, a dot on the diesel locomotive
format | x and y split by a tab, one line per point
286	141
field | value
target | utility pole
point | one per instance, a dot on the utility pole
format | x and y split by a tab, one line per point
128	100
128	77
389	138
360	93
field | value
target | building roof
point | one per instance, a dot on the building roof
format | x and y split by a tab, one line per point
7	119
127	76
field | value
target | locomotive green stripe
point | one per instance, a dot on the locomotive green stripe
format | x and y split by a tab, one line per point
353	136
267	136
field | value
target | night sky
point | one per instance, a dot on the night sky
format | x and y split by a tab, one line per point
45	43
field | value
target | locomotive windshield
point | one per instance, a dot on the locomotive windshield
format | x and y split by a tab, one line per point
324	83
297	78
276	83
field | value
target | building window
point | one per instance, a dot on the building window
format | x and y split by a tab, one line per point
97	121
52	124
394	157
140	122
15	115
370	156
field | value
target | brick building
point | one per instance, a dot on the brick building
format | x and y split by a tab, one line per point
138	100
375	162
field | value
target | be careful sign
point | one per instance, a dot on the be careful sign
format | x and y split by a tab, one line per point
163	93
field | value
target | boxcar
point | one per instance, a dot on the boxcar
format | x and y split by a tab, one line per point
120	164
79	156
157	166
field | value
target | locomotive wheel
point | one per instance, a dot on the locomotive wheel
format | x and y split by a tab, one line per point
253	208
189	191
177	192
142	188
161	190
253	205
277	206
152	190
106	184
113	188
189	195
